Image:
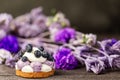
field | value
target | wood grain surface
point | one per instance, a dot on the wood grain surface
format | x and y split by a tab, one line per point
7	73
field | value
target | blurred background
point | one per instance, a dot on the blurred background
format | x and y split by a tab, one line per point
96	16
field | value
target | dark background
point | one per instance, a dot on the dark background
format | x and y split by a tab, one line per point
96	16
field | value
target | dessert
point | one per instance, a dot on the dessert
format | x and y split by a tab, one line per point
35	63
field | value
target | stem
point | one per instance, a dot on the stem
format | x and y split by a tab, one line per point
45	40
104	53
70	46
75	51
35	39
44	34
50	45
79	33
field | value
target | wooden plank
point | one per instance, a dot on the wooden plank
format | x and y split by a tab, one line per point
7	73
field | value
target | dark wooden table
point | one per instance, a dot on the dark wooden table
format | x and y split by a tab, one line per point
7	73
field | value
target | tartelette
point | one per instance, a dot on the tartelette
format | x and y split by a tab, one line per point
35	63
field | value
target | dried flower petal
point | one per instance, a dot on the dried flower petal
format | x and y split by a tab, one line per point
5	20
36	12
116	47
64	35
106	44
58	18
10	62
10	43
116	62
30	24
95	65
2	34
64	59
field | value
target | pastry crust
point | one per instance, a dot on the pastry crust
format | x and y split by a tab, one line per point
35	74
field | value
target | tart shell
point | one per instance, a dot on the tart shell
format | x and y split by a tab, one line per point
34	74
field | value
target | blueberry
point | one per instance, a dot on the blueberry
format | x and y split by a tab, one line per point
50	58
24	59
20	53
41	48
45	54
37	53
29	48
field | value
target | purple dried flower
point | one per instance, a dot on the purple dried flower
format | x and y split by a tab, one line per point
82	51
65	60
21	20
30	24
105	60
53	29
106	44
40	22
36	12
110	55
10	43
116	47
84	39
64	35
111	61
5	20
92	62
28	30
95	65
116	62
110	49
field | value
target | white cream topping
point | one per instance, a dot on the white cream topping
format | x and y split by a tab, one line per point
45	68
32	57
16	67
34	49
27	69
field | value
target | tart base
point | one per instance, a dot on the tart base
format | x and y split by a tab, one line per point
34	74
